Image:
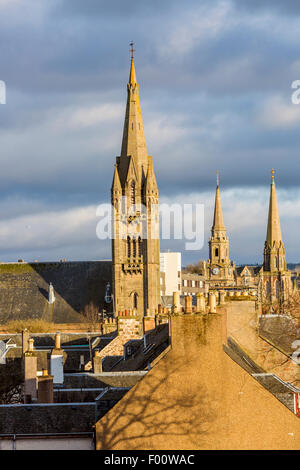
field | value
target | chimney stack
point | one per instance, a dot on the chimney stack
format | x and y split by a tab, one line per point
45	388
30	369
97	362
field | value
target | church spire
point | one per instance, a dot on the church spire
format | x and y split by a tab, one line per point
134	142
273	230
218	223
132	75
219	264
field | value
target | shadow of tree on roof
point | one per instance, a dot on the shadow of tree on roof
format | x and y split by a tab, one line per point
156	410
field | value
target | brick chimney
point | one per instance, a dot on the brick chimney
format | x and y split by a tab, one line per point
25	338
45	388
30	369
97	362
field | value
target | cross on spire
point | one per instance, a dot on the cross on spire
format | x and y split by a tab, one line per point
132	50
217	178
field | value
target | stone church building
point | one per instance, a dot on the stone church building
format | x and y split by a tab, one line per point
134	196
272	280
132	280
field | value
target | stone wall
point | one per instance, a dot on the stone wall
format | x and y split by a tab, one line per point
24	290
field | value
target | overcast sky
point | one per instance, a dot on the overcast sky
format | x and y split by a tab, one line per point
215	85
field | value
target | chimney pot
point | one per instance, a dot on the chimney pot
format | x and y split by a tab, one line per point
30	344
57	340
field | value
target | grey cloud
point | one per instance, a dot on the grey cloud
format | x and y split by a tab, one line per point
200	108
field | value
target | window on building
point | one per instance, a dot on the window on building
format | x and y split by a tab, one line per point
134	248
132	193
277	289
140	246
128	247
217	252
135	300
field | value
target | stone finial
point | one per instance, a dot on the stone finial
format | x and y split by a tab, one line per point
201	302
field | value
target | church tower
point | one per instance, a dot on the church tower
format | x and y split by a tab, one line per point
276	279
220	268
134	196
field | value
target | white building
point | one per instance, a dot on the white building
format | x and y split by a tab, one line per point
170	266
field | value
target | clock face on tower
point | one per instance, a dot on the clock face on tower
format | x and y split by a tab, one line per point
215	271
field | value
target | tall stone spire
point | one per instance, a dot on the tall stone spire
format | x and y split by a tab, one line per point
135	224
219	264
275	283
218	223
274	252
134	142
273	230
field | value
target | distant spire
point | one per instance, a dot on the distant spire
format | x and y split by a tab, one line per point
273	230
218	223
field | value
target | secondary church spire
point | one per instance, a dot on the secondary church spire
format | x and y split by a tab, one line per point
274	252
219	264
273	229
275	284
218	223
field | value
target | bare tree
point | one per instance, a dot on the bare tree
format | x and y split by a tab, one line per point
91	314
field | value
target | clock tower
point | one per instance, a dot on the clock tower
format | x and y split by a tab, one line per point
220	268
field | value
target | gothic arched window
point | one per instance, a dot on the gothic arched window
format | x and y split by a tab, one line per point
217	252
135	300
134	248
140	246
128	247
277	288
132	193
